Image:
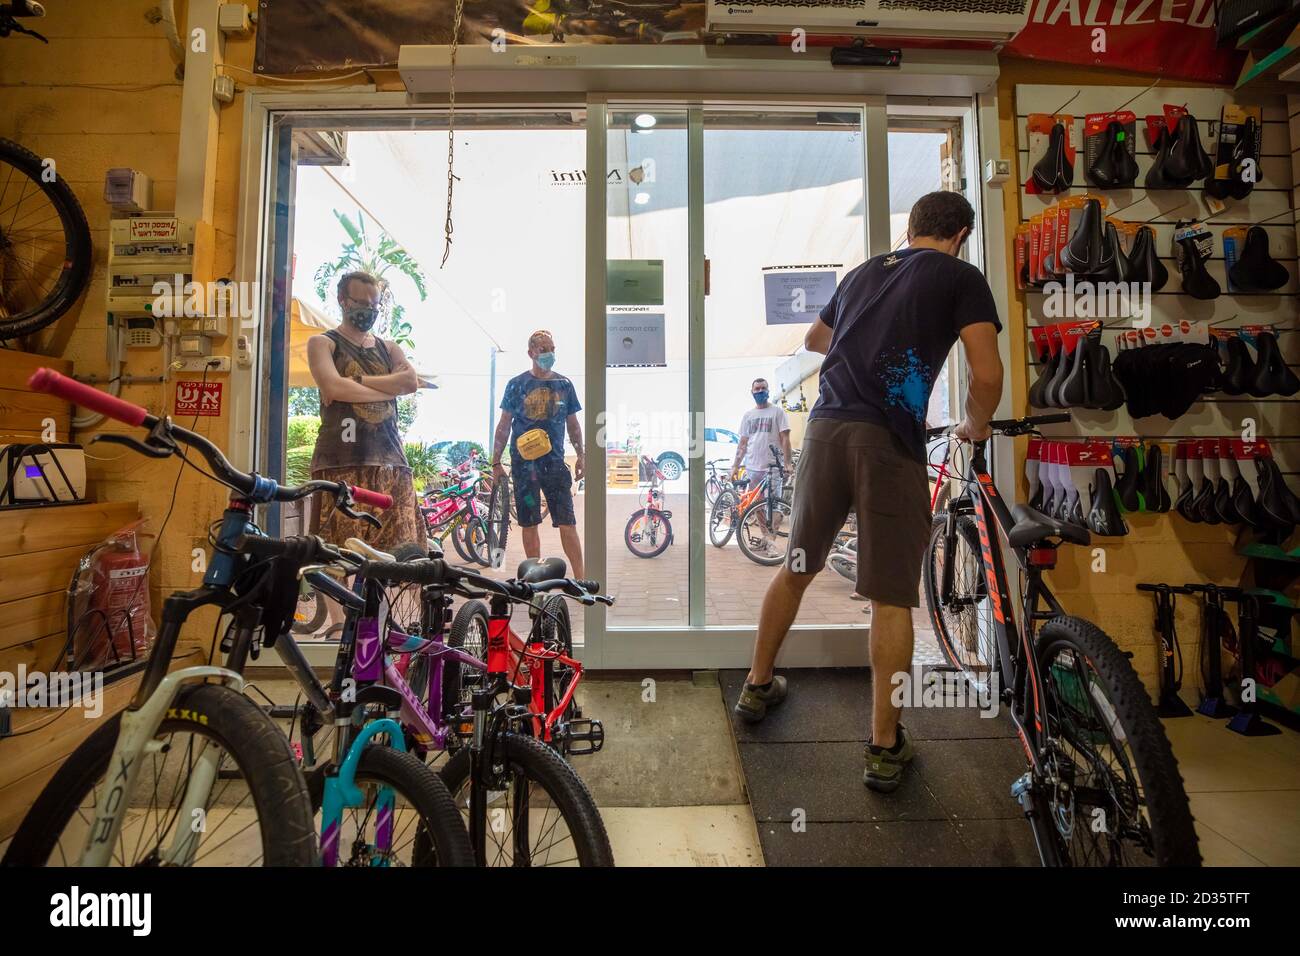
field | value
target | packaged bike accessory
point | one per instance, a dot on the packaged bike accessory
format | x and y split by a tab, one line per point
1249	265
1127	452
1023	278
1050	267
1032	464
1237	367
1109	149
1047	366
1155	492
1193	247
1085	253
1207	453
534	444
109	619
1186	485
1051	150
1188	161
1236	159
1036	248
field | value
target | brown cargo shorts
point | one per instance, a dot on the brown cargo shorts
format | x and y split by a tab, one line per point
857	466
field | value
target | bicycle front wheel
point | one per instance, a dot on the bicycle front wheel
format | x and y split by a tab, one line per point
538	810
648	533
956	594
256	813
405	817
1119	799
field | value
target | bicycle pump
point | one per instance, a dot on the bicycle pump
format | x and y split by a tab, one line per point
1171	679
1213	703
1248	721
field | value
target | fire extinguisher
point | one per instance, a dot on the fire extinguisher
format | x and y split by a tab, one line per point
118	616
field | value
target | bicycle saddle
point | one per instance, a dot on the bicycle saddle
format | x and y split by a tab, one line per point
1045	369
1272	377
1073	390
1156	177
1203	503
1187	160
1129	482
1243	502
534	570
1255	270
1238	371
1064	364
1277	504
1223	503
1104	517
1123	269
1184	503
1033	526
1053	173
1235	185
1197	282
1087	253
1154	491
371	554
1104	389
1113	167
1144	262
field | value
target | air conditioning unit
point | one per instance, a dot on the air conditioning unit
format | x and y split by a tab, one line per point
321	147
991	21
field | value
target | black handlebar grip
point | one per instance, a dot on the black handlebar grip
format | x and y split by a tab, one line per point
591	587
261	546
424	571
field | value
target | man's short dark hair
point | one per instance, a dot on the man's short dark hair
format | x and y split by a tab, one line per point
940	215
359	275
756	381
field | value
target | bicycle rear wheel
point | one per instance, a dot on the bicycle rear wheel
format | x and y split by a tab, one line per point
763	538
257	810
722	519
498	521
1119	798
45	252
538	810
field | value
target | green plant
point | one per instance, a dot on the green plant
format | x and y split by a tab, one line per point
302	431
376	255
298	464
304	400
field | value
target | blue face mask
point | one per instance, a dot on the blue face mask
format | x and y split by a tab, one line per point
546	360
760	398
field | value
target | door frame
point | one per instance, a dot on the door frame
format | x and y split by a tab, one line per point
710	646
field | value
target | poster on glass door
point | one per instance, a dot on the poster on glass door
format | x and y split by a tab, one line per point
797	294
635	340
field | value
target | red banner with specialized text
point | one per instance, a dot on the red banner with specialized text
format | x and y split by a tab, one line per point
1171	38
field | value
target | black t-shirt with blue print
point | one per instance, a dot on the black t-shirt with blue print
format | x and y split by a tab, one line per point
894	319
539	403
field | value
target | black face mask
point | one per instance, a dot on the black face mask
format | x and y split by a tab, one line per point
362	317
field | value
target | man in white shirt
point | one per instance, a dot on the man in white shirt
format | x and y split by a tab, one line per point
762	426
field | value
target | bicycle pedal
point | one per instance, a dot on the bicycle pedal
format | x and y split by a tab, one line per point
583	736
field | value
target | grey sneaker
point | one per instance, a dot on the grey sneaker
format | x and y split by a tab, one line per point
753	703
885	767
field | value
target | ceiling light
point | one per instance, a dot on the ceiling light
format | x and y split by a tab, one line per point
645	120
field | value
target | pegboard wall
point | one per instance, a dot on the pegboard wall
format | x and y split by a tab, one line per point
1271	204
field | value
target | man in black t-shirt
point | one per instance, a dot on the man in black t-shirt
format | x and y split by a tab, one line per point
886	333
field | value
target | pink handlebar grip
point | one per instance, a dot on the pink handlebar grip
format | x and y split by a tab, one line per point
48	380
367	497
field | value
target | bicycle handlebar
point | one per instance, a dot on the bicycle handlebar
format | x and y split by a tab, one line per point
1007	426
438	573
164	433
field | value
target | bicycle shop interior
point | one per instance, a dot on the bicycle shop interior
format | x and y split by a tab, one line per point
288	143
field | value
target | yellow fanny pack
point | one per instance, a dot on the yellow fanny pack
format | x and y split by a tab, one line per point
533	444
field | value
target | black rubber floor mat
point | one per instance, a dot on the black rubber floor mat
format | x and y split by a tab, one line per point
803	774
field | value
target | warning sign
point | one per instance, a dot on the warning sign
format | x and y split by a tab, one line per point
198	398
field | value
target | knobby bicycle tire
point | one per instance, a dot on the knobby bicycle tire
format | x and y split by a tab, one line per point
1173	832
561	783
75	274
256	745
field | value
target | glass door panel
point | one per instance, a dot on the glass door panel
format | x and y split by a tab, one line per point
646	431
784	220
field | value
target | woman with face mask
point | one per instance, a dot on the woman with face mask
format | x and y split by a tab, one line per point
360	376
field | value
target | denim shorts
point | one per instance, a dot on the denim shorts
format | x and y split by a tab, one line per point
546	476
